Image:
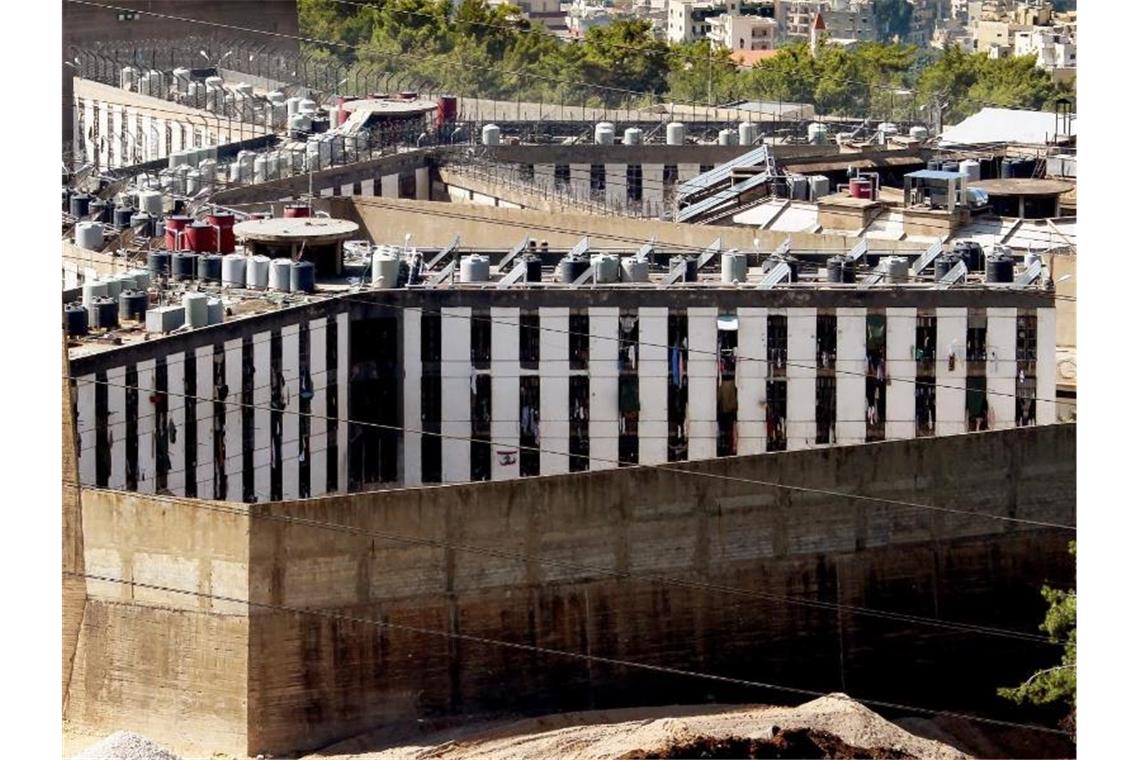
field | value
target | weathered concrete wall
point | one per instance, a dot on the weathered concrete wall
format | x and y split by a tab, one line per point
435	224
74	589
593	542
171	666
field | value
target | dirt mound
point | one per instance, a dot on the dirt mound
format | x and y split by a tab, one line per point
124	745
799	743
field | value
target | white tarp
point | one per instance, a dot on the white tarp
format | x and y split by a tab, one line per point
1007	125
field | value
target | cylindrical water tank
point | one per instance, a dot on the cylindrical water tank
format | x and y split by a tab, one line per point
210	267
129	78
943	263
142	224
634	269
233	270
183	265
733	267
862	188
297	211
533	268
999	268
897	269
919	133
292	106
158	264
303	277
385	267
215	311
307	105
970	251
632	136
257	272
121	217
132	305
279	270
114	286
92	290
260	169
208	168
950	166
491	133
182	80
690	267
174	232
972	169
840	269
726	137
80	205
103	313
817	133
197	314
300	122
606	268
571	267
675	133
89	235
748	132
141	277
200	238
604	133
474	268
99	210
150	201
193	182
75	319
224	220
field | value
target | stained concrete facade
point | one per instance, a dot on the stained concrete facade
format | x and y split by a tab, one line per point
378	608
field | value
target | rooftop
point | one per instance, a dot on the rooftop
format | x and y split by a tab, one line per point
310	229
1008	125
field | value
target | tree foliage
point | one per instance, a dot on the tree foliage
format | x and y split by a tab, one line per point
1057	683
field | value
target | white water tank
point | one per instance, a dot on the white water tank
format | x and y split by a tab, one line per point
300	122
887	129
215	311
632	136
385	267
193	181
197	313
817	133
606	267
92	290
196	95
675	133
292	106
257	272
491	133
89	235
634	269
748	132
971	169
307	106
604	133
726	137
897	269
474	268
208	169
142	278
150	201
733	267
279	271
260	169
279	116
919	133
235	173
182	80
129	78
233	270
275	97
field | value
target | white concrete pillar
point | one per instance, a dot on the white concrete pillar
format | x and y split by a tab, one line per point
117	425
1001	366
456	382
505	391
346	189
290	420
204	412
901	369
1046	366
85	427
423	183
413	388
653	376
603	372
390	186
686	172
653	186
580	180
368	187
261	399
616	184
554	390
850	375
318	407
751	374
147	419
233	420
116	137
176	422
950	390
801	378
702	372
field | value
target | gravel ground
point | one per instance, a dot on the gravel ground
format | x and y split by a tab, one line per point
124	745
614	733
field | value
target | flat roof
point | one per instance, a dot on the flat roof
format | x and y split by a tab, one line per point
936	174
393	107
1022	186
309	228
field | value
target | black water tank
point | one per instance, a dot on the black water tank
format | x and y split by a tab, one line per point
690	267
533	268
103	313
121	217
999	268
80	204
75	318
210	267
1006	168
971	253
66	199
132	305
840	269
934	166
158	262
100	210
793	264
302	277
944	263
572	267
183	265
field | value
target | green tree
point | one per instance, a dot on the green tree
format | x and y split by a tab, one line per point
697	74
1057	683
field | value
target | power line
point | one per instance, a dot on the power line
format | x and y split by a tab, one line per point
652	578
551	651
662	467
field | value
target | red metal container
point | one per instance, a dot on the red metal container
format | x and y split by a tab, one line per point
340	101
446	111
861	188
297	211
200	238
224	220
174	226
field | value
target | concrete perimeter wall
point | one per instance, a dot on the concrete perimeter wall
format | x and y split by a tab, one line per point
593	544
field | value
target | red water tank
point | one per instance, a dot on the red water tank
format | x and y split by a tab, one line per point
860	188
446	110
297	211
340	101
200	238
225	221
174	226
